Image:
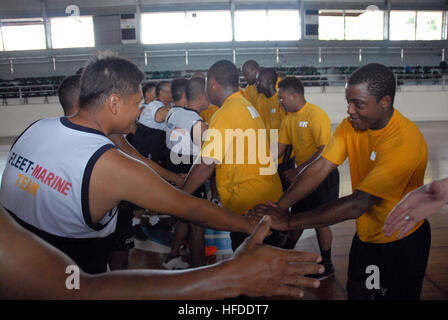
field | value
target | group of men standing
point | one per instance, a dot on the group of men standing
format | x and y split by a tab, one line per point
387	156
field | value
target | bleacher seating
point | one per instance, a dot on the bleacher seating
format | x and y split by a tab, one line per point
24	88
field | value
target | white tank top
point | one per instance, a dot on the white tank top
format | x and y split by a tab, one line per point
47	175
179	138
148	115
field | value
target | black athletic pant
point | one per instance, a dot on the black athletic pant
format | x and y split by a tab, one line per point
401	265
150	141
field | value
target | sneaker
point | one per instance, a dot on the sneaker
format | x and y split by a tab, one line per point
175	263
329	271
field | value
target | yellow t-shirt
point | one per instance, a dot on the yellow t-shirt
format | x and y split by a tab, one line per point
277	82
387	163
240	179
306	130
263	105
277	113
207	114
250	93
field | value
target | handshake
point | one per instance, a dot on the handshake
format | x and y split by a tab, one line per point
280	217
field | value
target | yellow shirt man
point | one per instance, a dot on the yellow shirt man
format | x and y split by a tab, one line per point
270	111
387	163
207	114
251	93
306	130
240	180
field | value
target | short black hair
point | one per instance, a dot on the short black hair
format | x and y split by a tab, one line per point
282	75
379	78
108	73
160	85
293	84
178	88
225	73
195	86
268	73
198	74
68	93
147	87
251	64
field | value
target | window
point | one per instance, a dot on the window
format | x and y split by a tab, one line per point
186	26
402	25
429	25
259	25
350	25
23	34
1	40
416	25
364	25
72	32
209	26
165	27
331	25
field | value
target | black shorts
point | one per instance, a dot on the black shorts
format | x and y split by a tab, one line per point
327	191
401	267
150	142
90	254
185	168
123	238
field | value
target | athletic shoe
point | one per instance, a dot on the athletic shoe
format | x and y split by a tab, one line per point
175	263
329	271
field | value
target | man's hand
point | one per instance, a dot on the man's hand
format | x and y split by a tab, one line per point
416	206
278	216
269	271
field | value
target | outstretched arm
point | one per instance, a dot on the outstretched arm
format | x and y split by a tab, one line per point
292	174
416	206
306	182
121	143
116	177
346	208
255	270
200	172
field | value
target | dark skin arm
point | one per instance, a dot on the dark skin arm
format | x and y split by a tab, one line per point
350	207
255	270
308	181
346	208
291	174
200	172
